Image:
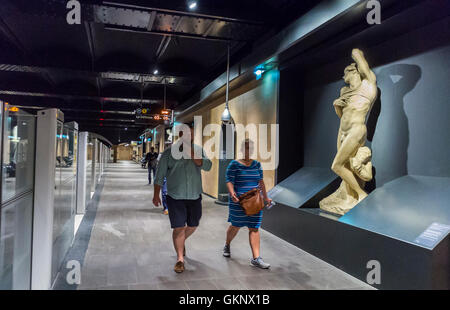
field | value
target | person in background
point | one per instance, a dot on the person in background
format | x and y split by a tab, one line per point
184	189
152	160
164	197
164	191
242	176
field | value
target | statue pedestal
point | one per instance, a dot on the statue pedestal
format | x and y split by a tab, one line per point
386	226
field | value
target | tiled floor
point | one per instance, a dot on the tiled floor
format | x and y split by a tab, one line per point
131	248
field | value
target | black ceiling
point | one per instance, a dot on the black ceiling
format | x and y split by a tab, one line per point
100	71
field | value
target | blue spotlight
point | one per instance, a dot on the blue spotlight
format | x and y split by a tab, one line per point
259	72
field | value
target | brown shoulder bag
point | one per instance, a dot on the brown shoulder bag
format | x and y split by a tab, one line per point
251	201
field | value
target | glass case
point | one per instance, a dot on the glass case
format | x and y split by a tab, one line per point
18	152
97	162
89	175
65	193
18	130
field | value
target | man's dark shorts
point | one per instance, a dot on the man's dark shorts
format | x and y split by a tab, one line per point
184	212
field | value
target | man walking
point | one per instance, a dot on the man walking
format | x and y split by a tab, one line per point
152	160
181	165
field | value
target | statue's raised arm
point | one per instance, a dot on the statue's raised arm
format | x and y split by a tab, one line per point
363	66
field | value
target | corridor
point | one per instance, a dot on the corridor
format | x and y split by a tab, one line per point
130	247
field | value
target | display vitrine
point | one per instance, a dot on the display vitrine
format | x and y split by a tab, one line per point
17	160
65	193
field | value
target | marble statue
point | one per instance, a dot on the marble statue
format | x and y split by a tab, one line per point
353	160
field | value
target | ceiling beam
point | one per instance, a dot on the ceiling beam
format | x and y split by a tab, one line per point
106	75
210	27
90	39
166	41
101	112
96	120
151	20
182	13
171	34
12	38
90	124
75	97
120	16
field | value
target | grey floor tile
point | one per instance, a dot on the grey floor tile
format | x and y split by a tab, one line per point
327	279
122	270
122	276
201	285
255	283
113	288
91	280
143	287
173	285
95	264
282	282
230	283
131	247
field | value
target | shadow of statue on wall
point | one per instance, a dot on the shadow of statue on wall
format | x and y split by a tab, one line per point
392	139
373	117
371	125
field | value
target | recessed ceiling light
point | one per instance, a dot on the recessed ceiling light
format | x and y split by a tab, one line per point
192	5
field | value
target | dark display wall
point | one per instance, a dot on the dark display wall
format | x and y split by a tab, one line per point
409	127
290	110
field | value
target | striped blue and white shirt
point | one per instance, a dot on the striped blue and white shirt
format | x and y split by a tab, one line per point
244	178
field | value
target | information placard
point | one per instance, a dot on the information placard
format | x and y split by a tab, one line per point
433	235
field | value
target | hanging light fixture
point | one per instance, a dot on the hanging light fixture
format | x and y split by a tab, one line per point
226	116
164	112
164	94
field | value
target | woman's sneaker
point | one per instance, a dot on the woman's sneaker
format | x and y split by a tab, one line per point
258	262
226	251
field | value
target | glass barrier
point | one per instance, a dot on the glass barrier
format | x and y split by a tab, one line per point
15	244
90	154
65	195
18	129
18	153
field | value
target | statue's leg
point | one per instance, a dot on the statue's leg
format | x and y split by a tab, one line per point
348	149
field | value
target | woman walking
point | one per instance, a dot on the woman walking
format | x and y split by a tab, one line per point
242	176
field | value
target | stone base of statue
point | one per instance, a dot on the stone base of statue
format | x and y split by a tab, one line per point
340	202
345	198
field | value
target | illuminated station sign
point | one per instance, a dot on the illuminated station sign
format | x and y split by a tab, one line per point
144	114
